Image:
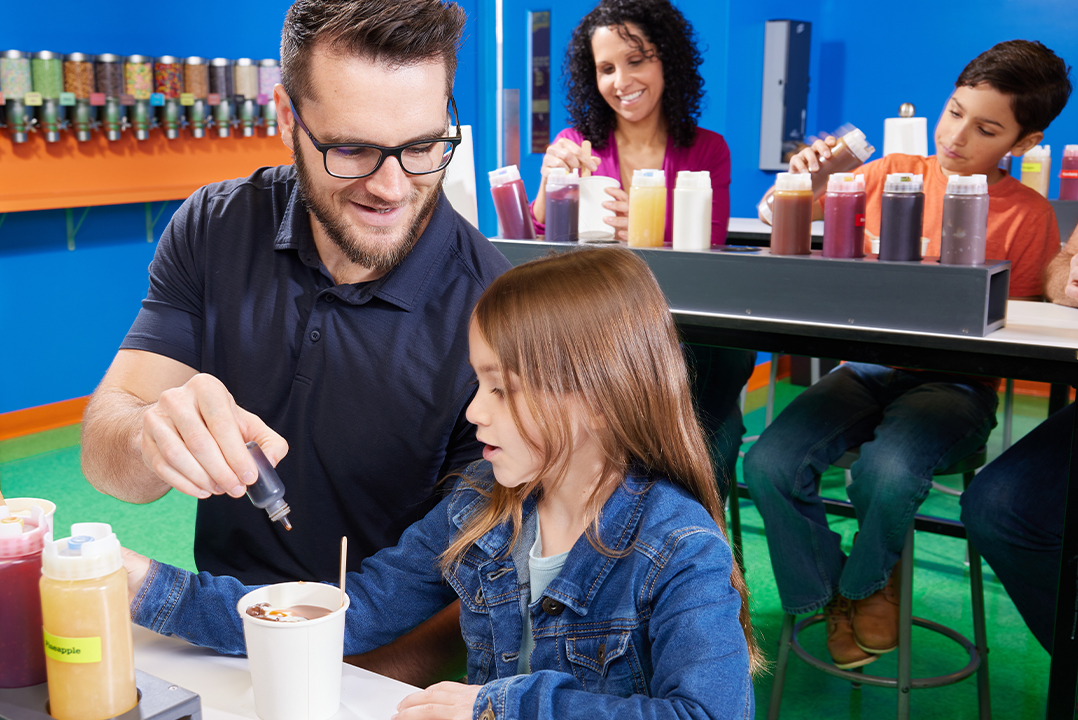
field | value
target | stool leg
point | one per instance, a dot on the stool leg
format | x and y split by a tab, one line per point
980	634
775	704
733	502
905	622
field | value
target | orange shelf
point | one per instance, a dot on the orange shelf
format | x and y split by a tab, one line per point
36	175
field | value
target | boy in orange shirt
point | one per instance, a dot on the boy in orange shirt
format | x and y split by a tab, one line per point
907	423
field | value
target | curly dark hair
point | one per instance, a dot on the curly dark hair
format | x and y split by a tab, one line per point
664	26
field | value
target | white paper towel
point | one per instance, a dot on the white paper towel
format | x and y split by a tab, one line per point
908	136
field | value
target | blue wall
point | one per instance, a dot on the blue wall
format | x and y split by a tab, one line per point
63	313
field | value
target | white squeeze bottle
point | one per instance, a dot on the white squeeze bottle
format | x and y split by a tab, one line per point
692	211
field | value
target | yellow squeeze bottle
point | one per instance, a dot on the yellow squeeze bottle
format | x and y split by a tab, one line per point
647	208
89	655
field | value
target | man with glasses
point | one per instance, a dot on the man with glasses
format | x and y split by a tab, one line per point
319	309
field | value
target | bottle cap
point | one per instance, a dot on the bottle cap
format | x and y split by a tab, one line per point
649	178
504	175
846	183
904	183
1038	152
194	60
559	177
795	182
1070	151
689	179
858	145
92	551
138	59
967	185
78	57
47	55
21	536
108	58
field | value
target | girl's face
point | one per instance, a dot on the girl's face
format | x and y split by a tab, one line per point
630	80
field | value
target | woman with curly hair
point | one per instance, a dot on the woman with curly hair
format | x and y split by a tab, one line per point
634	93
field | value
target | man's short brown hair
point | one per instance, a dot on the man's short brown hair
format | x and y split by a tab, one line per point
397	33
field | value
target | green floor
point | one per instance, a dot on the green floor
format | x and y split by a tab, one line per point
47	465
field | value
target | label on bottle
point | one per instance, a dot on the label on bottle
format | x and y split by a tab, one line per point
859	220
187	99
67	99
1069	174
213	99
1031	167
72	650
97	99
263	99
127	100
32	99
157	99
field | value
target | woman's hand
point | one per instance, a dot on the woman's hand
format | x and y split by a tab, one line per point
567	154
441	701
619	205
808	160
136	566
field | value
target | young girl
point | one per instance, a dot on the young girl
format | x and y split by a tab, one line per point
587	548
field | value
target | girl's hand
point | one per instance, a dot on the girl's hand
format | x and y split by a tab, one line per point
620	207
136	566
808	160
442	701
567	154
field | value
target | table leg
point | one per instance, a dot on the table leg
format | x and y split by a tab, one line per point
1063	675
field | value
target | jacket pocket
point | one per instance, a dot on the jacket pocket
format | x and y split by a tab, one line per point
606	663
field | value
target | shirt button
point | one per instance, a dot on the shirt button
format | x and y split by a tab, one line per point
552	607
315	335
330	298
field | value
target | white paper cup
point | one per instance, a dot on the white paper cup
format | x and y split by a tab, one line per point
592	196
295	667
21	507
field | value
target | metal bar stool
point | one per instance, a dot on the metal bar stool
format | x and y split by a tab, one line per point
905	682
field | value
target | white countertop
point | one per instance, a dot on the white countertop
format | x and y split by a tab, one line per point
224	683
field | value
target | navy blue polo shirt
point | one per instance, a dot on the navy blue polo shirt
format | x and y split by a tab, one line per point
368	382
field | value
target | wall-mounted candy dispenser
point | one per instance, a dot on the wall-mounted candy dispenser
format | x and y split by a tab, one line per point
221	87
196	88
269	74
15	84
245	84
168	84
109	74
138	85
47	78
79	86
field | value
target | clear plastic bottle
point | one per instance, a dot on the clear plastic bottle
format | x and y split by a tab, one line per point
562	205
964	235
89	655
791	230
1037	167
267	492
22	654
844	217
692	211
511	204
849	153
647	208
902	214
1068	174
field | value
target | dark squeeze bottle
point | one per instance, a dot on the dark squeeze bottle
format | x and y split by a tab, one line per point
902	214
964	234
562	205
268	491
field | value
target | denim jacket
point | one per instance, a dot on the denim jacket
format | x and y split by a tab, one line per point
652	632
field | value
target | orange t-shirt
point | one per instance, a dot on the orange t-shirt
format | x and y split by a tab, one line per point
1021	223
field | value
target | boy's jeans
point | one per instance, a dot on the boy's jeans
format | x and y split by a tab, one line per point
908	424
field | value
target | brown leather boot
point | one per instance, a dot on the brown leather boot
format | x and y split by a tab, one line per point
840	641
875	619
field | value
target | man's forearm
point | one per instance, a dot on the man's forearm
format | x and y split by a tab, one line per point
1056	279
111	458
432	652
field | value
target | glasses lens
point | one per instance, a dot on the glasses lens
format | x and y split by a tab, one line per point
351	161
426	157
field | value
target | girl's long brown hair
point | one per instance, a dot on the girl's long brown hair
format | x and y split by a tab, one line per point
594	325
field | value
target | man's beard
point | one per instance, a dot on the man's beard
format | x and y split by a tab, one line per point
372	255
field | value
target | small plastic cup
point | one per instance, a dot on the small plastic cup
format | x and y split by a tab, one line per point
295	666
592	196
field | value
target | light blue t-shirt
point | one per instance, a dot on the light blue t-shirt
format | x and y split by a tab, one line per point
541	570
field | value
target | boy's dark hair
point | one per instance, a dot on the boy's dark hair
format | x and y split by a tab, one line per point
1034	77
663	25
398	34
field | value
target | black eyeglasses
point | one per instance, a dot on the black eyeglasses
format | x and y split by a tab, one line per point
350	161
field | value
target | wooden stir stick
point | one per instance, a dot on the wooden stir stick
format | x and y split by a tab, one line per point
344	564
585	147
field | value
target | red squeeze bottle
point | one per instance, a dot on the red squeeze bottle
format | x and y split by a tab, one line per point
511	204
22	652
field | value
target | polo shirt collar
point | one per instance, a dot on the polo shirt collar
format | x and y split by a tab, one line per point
402	286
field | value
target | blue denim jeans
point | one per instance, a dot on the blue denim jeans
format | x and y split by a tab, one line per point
908	424
1013	512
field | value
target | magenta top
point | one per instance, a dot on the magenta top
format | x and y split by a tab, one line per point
708	152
